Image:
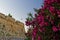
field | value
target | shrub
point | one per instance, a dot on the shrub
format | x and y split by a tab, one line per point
46	22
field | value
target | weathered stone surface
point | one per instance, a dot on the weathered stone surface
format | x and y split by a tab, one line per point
10	27
11	38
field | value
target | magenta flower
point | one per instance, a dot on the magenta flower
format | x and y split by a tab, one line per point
53	1
34	34
28	23
34	31
40	18
33	38
52	10
52	22
47	17
54	28
46	23
39	37
42	29
41	24
58	12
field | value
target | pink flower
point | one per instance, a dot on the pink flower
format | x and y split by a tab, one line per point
39	37
48	17
45	18
54	28
52	22
48	2
27	23
34	31
41	24
52	10
53	1
58	12
40	18
33	38
46	23
42	29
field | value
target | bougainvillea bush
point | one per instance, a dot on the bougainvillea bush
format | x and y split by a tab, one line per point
45	24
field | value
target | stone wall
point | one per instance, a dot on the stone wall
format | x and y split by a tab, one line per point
10	27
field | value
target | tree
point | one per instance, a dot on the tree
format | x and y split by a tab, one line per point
9	15
46	22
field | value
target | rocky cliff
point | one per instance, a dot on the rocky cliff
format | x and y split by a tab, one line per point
10	27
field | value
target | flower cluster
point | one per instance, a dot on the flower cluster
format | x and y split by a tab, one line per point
46	23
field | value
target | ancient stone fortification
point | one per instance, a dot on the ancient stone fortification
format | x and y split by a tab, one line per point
10	27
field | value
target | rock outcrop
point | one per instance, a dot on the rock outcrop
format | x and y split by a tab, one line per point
10	27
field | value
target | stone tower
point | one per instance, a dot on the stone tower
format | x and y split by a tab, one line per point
10	27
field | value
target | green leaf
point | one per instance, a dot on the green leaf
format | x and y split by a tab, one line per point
30	14
29	19
36	10
47	11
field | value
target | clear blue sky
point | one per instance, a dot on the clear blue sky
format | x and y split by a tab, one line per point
19	8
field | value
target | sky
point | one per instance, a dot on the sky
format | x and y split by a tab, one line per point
19	8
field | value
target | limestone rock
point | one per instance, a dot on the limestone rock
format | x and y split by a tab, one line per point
10	27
